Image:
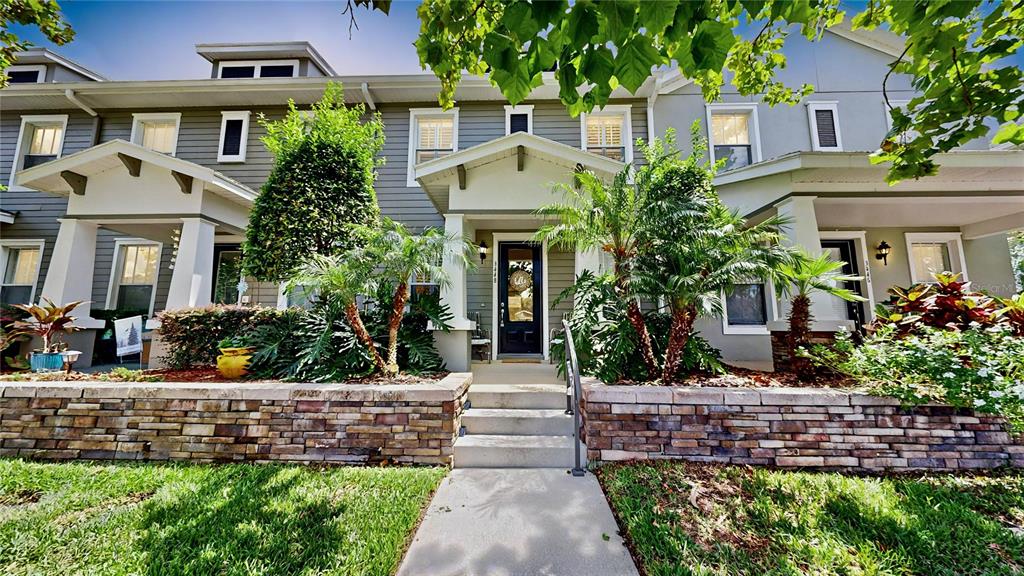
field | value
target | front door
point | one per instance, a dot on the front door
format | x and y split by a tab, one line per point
519	298
843	251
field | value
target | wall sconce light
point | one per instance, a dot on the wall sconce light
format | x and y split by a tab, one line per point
882	252
483	251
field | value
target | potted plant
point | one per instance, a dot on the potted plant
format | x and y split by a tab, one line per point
234	358
49	322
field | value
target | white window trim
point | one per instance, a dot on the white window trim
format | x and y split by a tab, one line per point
500	237
519	109
624	110
6	245
40	68
771	308
812	121
750	109
414	116
138	118
17	162
115	273
257	65
953	240
242	115
860	238
885	110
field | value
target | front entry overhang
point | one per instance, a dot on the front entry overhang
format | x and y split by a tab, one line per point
512	174
118	179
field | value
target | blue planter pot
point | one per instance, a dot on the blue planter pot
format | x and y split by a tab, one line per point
46	362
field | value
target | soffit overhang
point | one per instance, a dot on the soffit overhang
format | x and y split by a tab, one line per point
256	92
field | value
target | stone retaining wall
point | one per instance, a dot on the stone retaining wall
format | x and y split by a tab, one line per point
328	423
790	427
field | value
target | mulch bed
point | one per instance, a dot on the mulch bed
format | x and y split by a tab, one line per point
746	378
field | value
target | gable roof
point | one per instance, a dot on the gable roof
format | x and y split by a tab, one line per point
44	56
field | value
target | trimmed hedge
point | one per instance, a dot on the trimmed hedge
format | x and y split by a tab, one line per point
192	334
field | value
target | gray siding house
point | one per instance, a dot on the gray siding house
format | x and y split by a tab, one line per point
135	194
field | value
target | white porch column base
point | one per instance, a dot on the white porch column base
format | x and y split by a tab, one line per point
72	264
803	231
192	279
455	347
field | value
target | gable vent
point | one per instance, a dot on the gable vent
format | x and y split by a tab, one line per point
518	123
825	124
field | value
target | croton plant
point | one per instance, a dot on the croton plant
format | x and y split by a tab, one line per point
47	321
949	304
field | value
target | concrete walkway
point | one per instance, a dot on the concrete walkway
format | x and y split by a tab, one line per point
508	522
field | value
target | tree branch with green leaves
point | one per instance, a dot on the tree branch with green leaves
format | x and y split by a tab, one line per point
43	14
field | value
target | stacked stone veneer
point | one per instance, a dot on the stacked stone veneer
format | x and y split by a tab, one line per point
790	427
243	422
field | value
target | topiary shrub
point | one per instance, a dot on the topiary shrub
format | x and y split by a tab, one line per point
192	335
321	183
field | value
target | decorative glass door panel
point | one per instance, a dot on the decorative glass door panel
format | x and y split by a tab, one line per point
519	299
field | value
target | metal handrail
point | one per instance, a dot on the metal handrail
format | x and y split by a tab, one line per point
572	394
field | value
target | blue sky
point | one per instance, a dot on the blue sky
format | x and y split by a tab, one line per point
144	40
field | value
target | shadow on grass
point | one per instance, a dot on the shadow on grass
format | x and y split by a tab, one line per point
254	520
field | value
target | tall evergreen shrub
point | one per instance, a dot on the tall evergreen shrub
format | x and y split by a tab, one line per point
322	181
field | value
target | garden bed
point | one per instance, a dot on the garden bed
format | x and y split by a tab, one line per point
76	518
200	374
745	521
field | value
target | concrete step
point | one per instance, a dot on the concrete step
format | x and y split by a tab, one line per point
525	396
517	422
507	451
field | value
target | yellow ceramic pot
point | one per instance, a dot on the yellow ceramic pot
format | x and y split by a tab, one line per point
232	362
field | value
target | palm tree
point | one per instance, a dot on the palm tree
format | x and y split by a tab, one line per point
401	256
343	277
596	215
701	258
798	278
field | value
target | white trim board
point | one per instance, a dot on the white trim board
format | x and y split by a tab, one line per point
38	119
242	115
498	238
860	242
519	109
116	271
7	244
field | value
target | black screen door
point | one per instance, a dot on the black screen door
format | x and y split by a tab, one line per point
519	298
843	250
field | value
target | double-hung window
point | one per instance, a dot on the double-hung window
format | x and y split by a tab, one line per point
234	134
824	120
133	283
733	134
607	132
41	139
21	261
433	133
931	253
158	132
420	286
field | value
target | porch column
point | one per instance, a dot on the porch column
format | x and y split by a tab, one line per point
192	279
72	264
588	260
803	231
455	345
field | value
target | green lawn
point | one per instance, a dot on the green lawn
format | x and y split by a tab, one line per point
189	519
759	522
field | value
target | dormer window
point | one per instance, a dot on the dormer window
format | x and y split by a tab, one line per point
26	74
158	132
607	132
824	121
259	69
